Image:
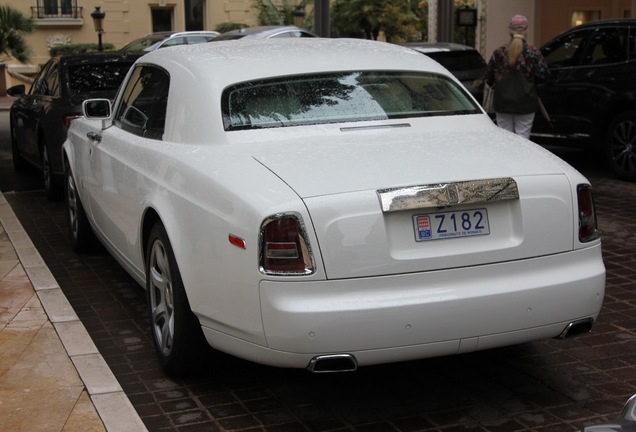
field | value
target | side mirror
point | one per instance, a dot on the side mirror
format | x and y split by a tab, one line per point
629	410
97	109
627	422
16	90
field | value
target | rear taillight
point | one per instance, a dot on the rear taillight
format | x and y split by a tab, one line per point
588	228
284	248
69	117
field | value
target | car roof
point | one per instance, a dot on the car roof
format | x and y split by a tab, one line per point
607	23
161	36
430	47
200	73
166	34
613	22
260	58
196	32
260	31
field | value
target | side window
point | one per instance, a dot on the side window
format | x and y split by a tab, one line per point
174	42
565	52
40	85
283	35
142	110
632	43
606	46
191	40
53	81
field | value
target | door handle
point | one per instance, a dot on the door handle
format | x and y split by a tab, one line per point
94	137
599	78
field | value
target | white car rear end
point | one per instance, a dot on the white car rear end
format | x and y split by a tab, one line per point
328	204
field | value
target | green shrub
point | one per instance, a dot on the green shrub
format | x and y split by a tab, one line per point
79	48
228	26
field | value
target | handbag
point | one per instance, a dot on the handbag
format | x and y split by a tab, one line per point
516	94
489	97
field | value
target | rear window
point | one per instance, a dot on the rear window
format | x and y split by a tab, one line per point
341	97
96	77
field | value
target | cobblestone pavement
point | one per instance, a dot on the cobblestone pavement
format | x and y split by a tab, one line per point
549	385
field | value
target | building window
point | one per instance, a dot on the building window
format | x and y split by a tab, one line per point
161	19
56	9
194	14
580	17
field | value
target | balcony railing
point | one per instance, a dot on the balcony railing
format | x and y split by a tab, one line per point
46	12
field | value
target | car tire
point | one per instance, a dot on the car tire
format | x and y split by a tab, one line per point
18	162
80	232
176	331
52	186
620	146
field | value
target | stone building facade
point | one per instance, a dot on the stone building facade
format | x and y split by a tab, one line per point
69	21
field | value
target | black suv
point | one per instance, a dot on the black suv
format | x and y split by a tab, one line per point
39	119
590	97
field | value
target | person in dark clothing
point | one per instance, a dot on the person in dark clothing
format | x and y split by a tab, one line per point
513	72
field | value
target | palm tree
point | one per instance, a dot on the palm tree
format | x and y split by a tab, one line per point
280	12
368	17
13	26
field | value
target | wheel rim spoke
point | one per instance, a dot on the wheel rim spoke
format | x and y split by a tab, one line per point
72	205
161	298
46	169
623	146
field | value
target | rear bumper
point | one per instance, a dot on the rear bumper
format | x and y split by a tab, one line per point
403	317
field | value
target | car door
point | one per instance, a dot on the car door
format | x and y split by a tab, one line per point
29	111
118	164
584	69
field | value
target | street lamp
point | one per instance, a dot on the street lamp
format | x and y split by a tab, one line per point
299	15
98	21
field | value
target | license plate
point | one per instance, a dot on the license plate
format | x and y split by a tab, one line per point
438	226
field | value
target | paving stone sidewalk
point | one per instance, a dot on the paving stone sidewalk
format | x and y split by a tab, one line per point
52	377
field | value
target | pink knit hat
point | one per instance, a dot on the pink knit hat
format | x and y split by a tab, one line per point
518	23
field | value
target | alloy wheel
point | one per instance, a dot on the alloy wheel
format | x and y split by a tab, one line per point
161	298
622	147
47	175
72	205
18	163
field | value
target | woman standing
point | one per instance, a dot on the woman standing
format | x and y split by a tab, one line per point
513	71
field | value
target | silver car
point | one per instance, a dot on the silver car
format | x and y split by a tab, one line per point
154	41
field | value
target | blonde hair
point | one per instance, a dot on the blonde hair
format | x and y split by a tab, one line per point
515	46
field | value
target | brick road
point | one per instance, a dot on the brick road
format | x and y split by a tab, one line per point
549	385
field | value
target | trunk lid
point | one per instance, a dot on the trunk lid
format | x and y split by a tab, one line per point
342	184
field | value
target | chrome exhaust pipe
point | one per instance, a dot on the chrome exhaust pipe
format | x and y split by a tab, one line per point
576	328
333	363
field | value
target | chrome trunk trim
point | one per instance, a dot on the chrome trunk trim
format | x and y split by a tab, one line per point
447	194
